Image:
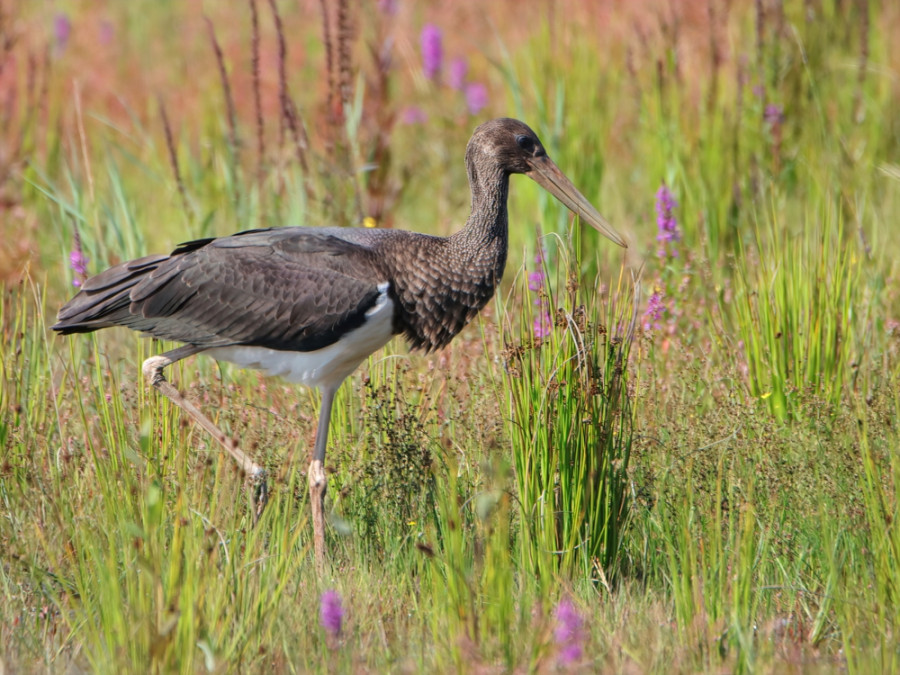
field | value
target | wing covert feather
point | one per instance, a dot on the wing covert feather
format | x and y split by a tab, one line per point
299	292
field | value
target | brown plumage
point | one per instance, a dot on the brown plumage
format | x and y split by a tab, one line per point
310	291
294	289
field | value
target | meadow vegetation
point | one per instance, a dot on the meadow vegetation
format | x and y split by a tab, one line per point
679	458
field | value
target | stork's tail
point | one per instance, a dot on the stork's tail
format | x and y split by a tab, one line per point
104	299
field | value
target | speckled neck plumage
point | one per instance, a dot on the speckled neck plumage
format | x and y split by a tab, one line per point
441	284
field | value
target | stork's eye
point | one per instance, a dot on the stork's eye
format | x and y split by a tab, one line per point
525	142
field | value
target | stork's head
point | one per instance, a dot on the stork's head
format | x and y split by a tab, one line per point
512	147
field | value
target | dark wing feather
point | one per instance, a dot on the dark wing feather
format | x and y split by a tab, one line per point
292	288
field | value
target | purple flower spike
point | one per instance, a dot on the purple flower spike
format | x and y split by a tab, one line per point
568	632
542	325
536	278
413	115
432	50
655	309
476	97
78	262
62	29
389	7
773	114
331	613
459	68
666	223
107	32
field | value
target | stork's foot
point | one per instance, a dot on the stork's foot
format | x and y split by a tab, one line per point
259	494
318	483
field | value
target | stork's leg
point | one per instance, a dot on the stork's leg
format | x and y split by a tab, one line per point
318	481
152	368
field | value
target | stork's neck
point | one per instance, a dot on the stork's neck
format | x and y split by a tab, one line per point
486	229
449	284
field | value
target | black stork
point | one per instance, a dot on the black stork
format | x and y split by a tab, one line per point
309	304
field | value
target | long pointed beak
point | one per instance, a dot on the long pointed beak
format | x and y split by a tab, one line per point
545	173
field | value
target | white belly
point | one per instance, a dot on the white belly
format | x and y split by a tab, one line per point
324	368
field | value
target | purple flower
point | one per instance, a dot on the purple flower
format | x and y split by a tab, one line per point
459	68
413	115
78	262
62	29
476	97
536	278
107	32
542	325
432	50
568	632
666	223
773	115
655	309
389	7
331	613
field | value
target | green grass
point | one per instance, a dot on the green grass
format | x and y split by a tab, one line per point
715	490
800	310
570	420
